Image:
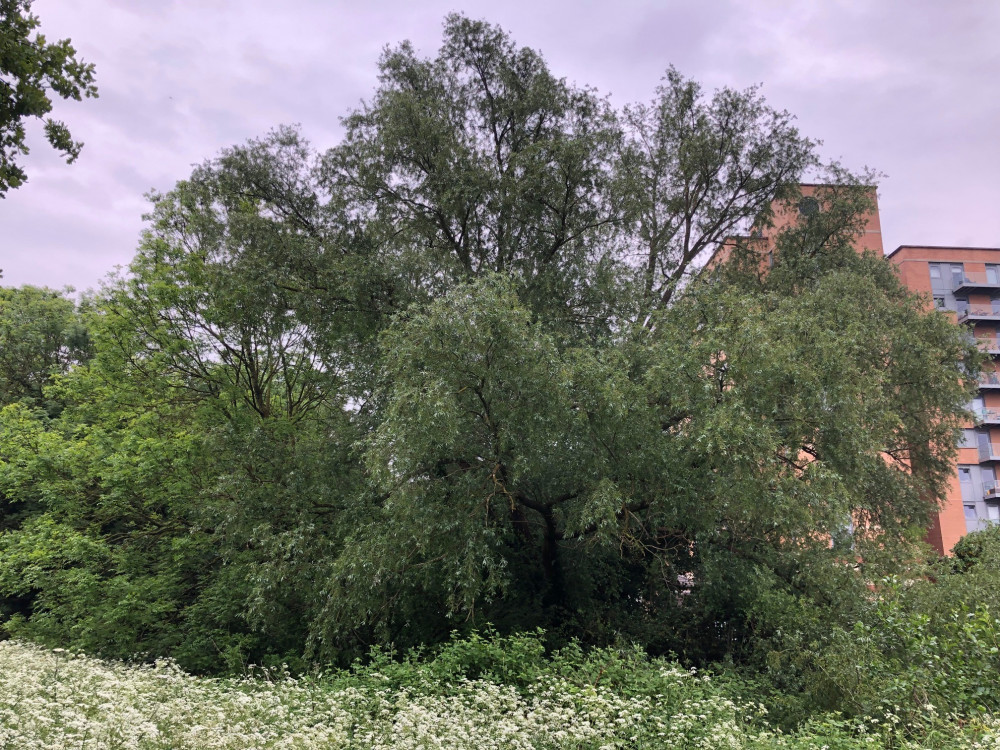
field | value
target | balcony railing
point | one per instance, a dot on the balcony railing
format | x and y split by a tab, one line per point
976	281
978	313
991	490
989	381
989	451
987	416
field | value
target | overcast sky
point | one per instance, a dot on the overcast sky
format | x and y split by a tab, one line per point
908	87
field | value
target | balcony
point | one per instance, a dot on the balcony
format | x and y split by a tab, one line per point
989	452
988	345
991	490
987	416
977	283
978	313
989	382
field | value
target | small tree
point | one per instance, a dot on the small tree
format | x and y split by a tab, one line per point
41	335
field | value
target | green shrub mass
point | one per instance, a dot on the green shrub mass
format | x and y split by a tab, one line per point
466	370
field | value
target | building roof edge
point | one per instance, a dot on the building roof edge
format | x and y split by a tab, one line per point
939	247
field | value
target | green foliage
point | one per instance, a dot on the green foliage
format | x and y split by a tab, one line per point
922	650
481	161
204	513
978	551
41	335
694	173
913	664
462	370
31	70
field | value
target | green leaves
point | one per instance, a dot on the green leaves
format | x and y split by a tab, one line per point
481	161
30	68
695	172
41	335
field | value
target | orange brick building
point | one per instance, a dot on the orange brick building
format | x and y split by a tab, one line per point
965	281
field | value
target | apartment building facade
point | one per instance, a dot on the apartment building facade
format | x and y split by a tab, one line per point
966	282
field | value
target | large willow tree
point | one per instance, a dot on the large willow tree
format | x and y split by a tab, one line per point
467	367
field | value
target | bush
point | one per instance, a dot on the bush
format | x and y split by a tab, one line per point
980	549
925	648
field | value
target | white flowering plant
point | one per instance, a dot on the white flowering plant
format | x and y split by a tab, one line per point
53	698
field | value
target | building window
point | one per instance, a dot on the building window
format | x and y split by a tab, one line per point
935	269
987	473
939	303
992	274
971	518
957	276
961	305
